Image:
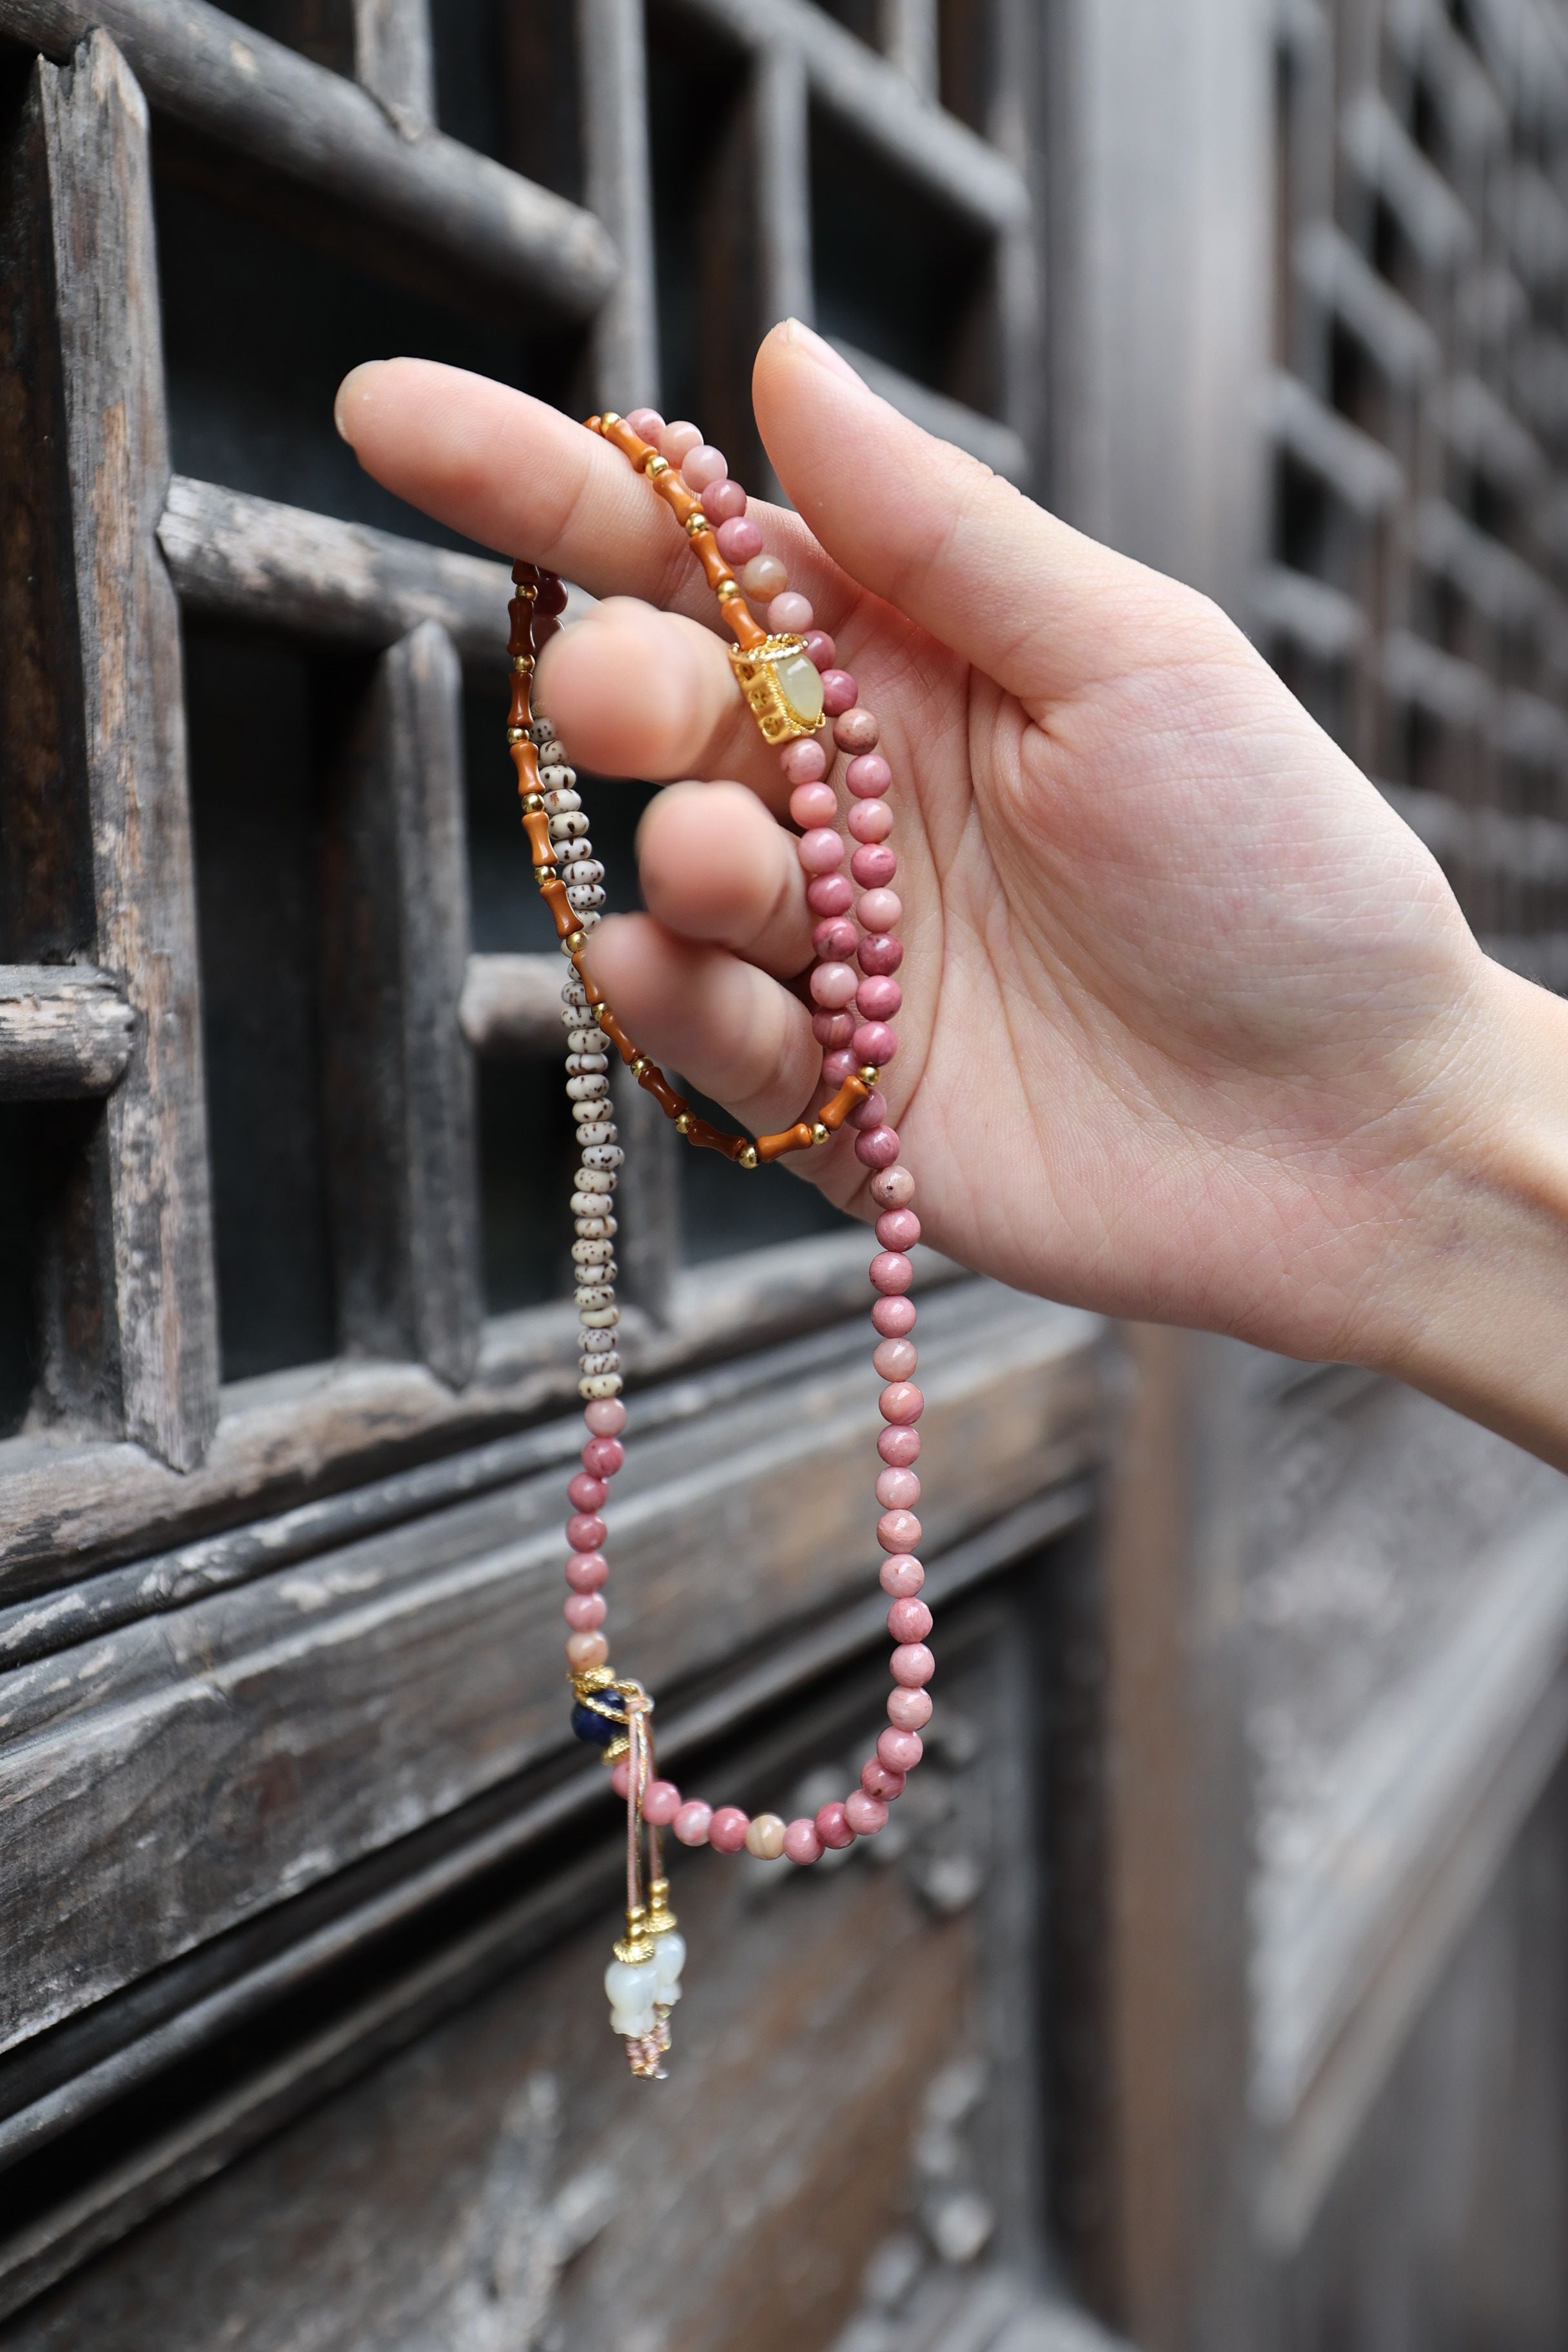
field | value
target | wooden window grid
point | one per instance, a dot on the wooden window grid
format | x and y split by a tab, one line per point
123	1029
202	1538
1416	597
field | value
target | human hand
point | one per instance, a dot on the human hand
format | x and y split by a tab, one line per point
1193	1027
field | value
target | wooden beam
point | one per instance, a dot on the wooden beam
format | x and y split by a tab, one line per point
399	1087
92	154
279	567
393	59
255	98
511	1006
66	1033
614	68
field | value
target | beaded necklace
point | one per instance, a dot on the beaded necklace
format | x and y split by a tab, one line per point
788	676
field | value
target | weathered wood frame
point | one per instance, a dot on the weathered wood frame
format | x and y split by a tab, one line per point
187	1538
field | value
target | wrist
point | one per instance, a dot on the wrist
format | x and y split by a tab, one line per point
1469	1301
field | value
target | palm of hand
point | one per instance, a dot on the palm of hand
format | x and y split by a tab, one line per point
1178	982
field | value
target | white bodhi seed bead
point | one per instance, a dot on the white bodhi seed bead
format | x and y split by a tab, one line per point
594	1180
599	1384
587	1086
601	1155
599	1135
594	1293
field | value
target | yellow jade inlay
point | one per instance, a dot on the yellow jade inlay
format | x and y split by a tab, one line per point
782	685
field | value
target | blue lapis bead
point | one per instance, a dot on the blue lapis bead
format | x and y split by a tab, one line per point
598	1729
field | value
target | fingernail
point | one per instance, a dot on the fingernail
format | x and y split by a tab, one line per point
355	381
809	341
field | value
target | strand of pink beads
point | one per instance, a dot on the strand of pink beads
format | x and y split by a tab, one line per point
857	998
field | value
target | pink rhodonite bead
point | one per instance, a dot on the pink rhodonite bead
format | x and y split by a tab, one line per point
839	691
873	1111
834	939
583	1611
874	864
830	894
647	424
902	1575
727	1830
866	1815
877	1780
677	440
880	910
832	1826
820	648
868	777
605	1417
702	466
909	1620
819	852
832	1029
661	1802
585	1650
878	999
804	762
692	1823
899	1447
832	986
811	804
893	1317
909	1710
898	1229
891	1273
585	1531
586	1570
875	1146
602	1457
879	952
897	1531
790	615
869	820
855	730
893	1189
912	1665
723	501
586	1494
875	1042
740	541
901	1751
838	1066
802	1843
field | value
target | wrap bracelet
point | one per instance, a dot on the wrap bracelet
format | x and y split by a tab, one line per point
787	673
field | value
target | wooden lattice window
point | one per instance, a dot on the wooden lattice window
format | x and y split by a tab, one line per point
284	1348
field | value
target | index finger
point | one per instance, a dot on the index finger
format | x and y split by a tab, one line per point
518	475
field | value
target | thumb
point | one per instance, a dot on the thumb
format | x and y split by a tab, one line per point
1042	610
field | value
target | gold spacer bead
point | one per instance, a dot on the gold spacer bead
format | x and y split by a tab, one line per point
517	734
523	664
534	803
524	594
870	1073
683	1122
639	1063
696	522
726	590
603	1016
655	466
575	942
607	419
820	1134
747	1159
